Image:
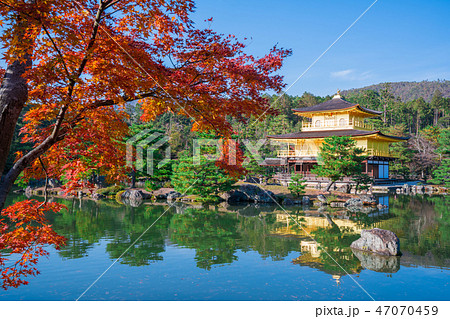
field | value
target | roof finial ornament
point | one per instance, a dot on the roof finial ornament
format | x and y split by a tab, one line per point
337	95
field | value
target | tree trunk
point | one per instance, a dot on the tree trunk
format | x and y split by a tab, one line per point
133	178
327	189
330	221
9	179
13	96
417	124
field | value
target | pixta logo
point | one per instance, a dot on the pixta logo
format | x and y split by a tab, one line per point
148	143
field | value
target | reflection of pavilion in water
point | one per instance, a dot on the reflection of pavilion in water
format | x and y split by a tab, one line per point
313	221
312	254
312	257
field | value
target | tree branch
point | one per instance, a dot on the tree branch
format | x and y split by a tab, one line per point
57	49
46	182
72	80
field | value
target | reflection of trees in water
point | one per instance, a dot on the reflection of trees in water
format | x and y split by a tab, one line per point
211	234
365	220
150	246
423	225
84	224
87	222
216	237
256	234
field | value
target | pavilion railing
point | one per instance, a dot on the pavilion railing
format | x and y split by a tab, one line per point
294	153
337	124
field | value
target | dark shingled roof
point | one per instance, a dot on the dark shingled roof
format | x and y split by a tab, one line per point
334	104
320	134
274	162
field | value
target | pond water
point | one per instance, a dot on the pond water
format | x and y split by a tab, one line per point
242	253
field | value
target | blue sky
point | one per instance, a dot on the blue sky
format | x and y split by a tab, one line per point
396	40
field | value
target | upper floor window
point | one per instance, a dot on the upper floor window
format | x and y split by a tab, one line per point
317	124
342	122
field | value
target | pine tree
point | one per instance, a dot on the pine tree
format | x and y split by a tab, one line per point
297	185
340	158
362	182
204	175
437	104
441	175
204	179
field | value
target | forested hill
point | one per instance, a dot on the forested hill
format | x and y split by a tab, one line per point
408	91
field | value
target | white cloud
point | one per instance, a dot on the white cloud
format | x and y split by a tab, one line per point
351	74
344	74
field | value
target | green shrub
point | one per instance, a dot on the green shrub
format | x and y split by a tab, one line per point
167	184
111	190
151	185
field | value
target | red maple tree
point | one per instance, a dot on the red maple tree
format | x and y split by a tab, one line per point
76	64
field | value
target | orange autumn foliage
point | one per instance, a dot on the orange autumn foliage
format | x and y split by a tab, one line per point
231	158
86	59
24	233
138	50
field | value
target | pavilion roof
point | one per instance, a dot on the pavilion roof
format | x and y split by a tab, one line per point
335	104
328	133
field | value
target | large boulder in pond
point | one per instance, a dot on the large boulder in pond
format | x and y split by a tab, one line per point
287	202
321	198
133	194
97	196
132	197
173	196
133	202
354	202
234	196
379	241
362	209
256	194
306	200
368	199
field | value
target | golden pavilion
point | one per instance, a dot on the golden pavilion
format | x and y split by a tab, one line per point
336	117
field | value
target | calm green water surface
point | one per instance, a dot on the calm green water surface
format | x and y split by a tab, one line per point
242	253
